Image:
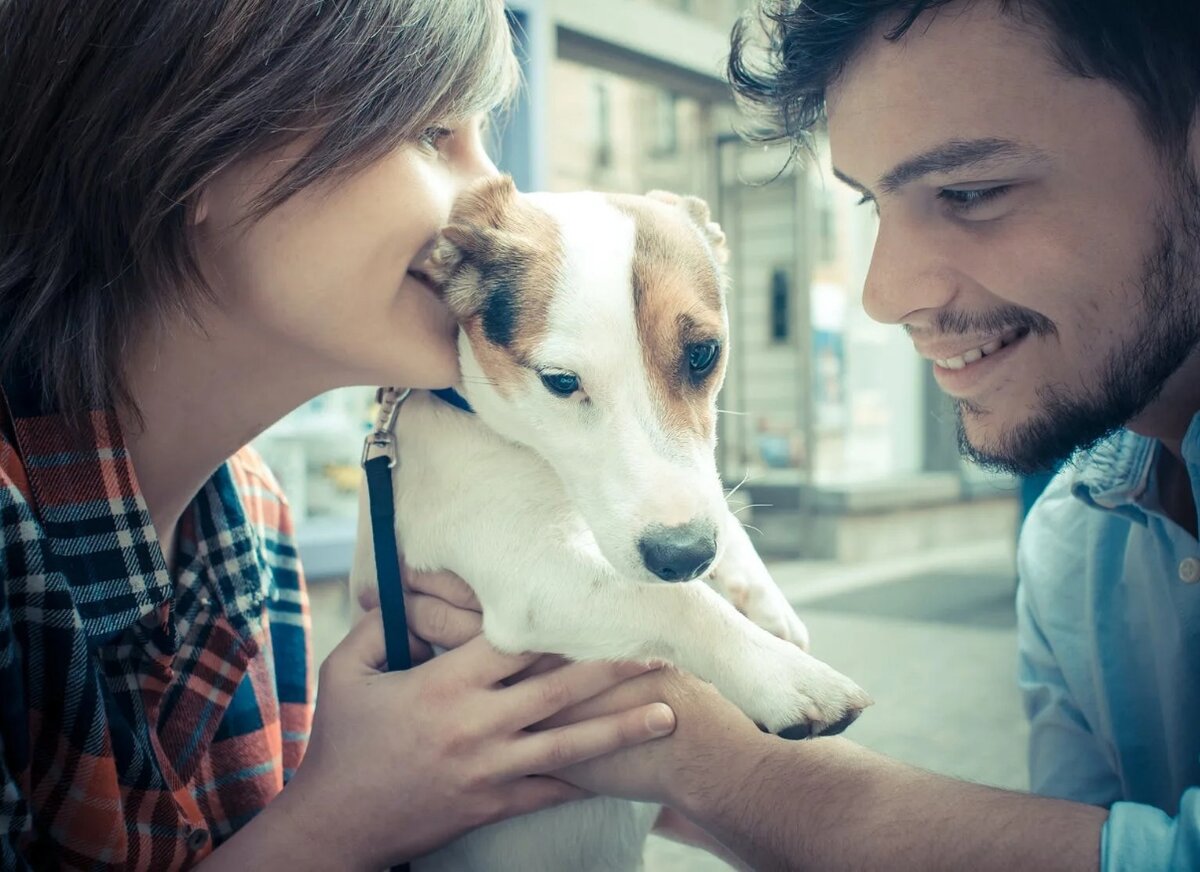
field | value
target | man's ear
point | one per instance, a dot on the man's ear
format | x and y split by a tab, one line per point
699	212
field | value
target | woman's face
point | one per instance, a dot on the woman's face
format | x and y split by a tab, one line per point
324	283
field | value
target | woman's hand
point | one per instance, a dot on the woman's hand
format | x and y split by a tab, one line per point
443	610
400	763
709	731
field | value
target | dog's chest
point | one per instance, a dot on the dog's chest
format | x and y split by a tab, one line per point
594	835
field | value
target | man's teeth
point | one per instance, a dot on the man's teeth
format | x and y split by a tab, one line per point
976	354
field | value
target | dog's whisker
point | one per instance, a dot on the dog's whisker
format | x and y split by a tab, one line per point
730	412
753	506
745	478
755	529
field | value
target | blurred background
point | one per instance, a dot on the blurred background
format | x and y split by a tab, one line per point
898	554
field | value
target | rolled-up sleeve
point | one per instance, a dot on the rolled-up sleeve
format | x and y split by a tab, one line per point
1141	838
1066	758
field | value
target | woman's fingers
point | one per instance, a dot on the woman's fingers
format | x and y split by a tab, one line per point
536	698
637	691
418	649
543	664
440	623
558	748
363	649
478	664
534	793
443	585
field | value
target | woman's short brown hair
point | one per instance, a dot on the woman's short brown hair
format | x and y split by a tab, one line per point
115	113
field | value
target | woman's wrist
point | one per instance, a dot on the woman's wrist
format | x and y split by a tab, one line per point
300	829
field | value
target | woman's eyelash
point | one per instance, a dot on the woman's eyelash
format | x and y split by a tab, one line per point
433	136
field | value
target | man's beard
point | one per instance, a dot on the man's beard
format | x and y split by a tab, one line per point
1134	373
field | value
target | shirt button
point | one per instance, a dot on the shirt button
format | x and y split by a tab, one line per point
1189	570
197	839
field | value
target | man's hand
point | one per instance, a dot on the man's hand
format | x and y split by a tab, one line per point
443	611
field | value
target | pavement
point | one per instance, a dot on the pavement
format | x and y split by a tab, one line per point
931	637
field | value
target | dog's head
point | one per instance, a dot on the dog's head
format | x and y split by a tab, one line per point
594	332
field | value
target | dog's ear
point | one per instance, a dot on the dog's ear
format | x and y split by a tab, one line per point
482	235
474	231
699	212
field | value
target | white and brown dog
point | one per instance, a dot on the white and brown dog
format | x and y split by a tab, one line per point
582	502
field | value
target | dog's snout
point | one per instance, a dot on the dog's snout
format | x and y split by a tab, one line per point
679	553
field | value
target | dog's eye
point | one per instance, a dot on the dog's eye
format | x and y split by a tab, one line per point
560	383
702	356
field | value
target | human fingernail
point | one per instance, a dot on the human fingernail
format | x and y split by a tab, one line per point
660	719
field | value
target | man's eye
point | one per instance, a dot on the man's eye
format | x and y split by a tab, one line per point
868	200
970	198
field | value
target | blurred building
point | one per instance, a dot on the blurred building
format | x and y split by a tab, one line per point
835	426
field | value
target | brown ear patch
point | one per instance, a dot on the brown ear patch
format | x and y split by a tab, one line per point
678	300
499	263
701	216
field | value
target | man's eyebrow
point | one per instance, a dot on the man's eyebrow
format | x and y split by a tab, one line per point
956	154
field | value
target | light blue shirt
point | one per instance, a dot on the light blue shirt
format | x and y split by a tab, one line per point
1109	636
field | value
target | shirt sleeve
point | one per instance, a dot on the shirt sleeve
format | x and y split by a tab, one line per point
1066	759
1141	838
15	820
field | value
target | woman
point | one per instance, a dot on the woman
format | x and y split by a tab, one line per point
209	214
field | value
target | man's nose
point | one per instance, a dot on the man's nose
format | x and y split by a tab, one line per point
909	274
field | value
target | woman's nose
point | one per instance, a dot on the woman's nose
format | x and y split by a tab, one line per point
475	161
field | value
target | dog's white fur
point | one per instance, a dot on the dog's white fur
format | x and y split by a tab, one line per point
539	502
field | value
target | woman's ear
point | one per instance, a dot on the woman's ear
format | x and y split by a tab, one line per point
198	211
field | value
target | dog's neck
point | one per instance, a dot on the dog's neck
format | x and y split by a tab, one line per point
454	398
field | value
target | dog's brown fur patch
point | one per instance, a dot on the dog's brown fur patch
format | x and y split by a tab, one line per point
500	262
678	299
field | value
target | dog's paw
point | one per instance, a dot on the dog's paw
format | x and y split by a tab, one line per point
795	695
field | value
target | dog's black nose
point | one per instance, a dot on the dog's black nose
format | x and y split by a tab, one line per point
679	553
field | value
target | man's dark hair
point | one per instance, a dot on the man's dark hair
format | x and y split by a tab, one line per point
115	113
1149	49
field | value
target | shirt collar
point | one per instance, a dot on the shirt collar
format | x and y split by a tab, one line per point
85	493
1116	474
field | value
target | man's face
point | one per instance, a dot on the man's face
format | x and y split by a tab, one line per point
1033	242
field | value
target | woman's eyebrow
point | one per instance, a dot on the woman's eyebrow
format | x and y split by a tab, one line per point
954	154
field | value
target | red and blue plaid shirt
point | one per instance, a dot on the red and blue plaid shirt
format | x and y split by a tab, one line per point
143	718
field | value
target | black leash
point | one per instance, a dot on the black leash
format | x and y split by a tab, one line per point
378	458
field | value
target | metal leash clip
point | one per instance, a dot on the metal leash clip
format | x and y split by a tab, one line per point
382	440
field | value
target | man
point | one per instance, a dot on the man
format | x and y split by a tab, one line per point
1036	171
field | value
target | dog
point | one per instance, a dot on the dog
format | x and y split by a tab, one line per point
581	501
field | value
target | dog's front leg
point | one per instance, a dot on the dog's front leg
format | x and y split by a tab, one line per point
743	579
686	624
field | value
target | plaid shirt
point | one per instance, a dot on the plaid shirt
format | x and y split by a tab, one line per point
143	719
